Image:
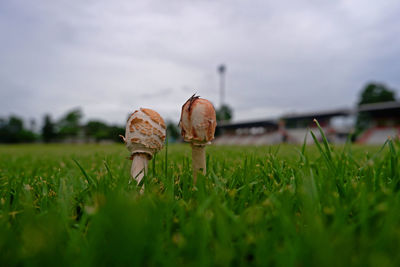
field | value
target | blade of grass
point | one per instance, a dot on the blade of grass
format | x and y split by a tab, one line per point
89	179
322	152
324	141
108	170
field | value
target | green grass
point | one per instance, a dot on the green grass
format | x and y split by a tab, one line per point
70	205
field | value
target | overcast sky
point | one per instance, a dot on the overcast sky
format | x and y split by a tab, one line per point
112	57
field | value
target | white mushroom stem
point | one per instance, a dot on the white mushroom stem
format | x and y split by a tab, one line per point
198	160
197	123
139	166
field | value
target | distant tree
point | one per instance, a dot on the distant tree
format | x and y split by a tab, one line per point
15	124
372	93
12	131
48	130
5	134
101	131
114	133
69	125
97	130
375	93
173	132
224	113
26	136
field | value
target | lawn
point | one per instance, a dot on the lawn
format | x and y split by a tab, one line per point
71	205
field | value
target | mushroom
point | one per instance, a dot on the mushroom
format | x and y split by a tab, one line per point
144	136
197	125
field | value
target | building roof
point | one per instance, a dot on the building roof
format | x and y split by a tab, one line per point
318	114
248	124
377	108
380	106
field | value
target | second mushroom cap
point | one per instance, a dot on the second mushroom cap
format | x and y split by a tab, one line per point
198	120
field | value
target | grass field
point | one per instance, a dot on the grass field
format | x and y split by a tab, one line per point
285	206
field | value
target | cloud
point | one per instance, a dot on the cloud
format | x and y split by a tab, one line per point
113	57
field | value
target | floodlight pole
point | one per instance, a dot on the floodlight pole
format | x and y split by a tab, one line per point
221	71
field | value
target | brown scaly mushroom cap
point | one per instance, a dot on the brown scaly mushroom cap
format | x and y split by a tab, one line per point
145	132
198	121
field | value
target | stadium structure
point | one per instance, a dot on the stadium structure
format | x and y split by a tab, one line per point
382	121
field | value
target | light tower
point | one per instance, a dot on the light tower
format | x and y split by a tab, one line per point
221	70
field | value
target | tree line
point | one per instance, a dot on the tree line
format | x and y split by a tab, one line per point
68	128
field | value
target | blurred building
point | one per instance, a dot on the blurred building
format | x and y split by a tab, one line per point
383	121
250	133
333	123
